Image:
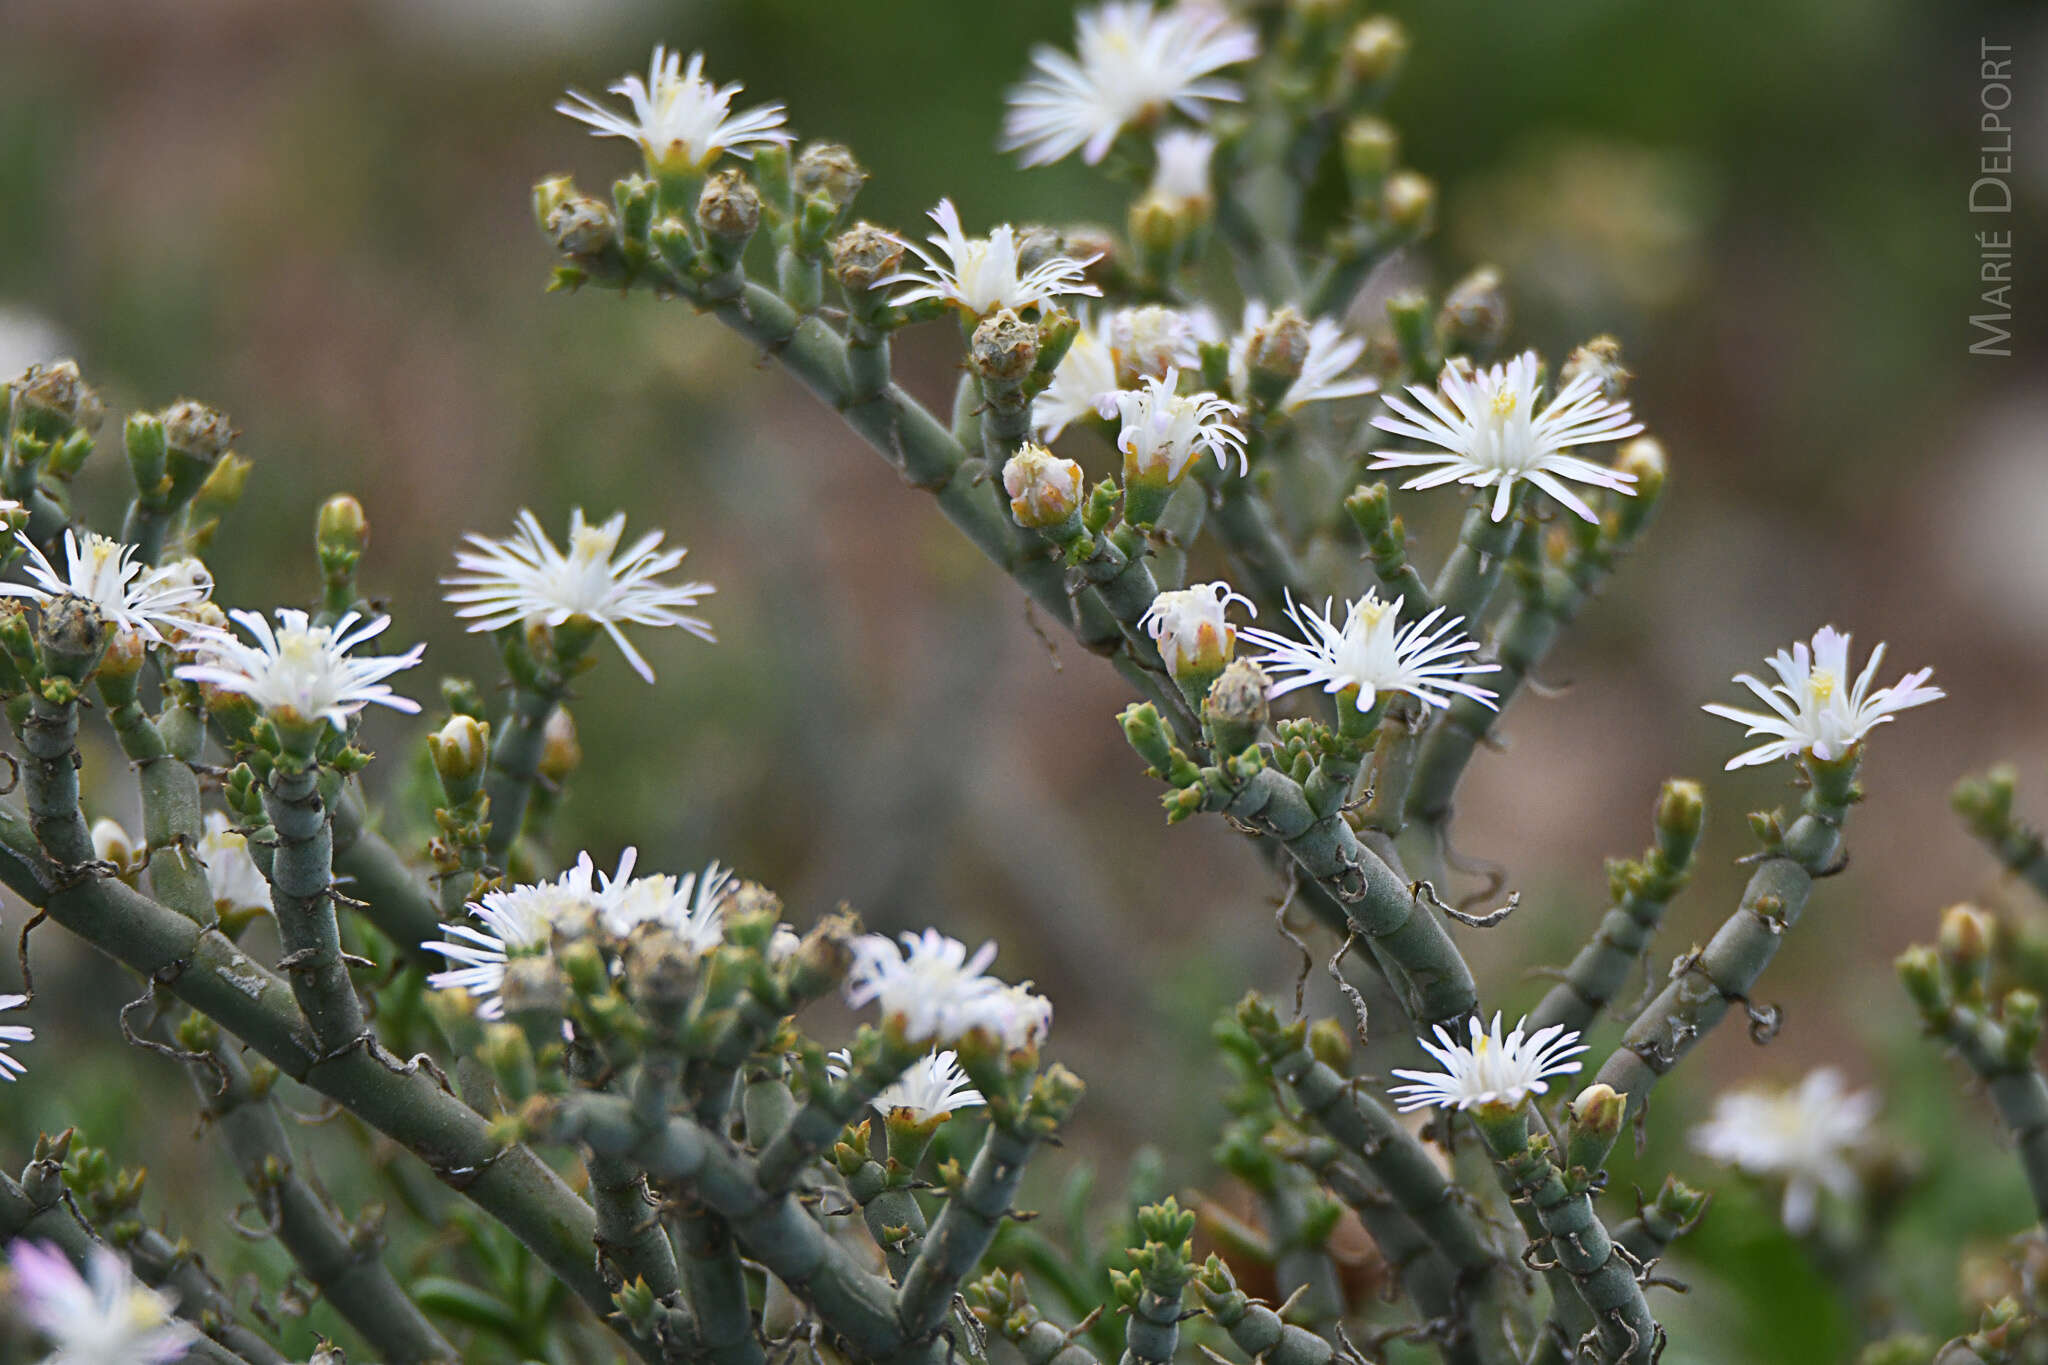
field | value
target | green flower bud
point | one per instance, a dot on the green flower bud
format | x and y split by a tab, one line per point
1597	1116
1409	203
343	529
1965	949
1371	149
1681	814
461	751
1920	973
561	755
147	446
1375	50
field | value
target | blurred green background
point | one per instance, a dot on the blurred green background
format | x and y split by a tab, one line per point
317	218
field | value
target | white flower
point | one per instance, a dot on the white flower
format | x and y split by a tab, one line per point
1133	63
525	578
1180	174
690	907
113	844
1152	341
1373	652
1813	709
1492	1070
1188	626
933	1086
301	671
518	921
682	121
1803	1136
1017	1015
1330	353
128	595
932	985
1085	373
232	876
981	274
114	1319
10	1034
1163	430
1491	434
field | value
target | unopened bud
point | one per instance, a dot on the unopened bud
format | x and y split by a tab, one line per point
1004	348
1145	733
1329	1042
1965	948
460	750
1044	489
864	254
1410	203
729	210
343	527
1236	708
1601	359
829	169
549	195
1375	50
1681	814
1275	356
635	199
1155	228
1597	1116
2020	1013
1643	459
1919	971
560	754
582	226
1371	149
1475	312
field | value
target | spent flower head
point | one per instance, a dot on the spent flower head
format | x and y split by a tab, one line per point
1331	353
105	1317
128	595
1491	1071
1814	707
1131	63
301	673
524	578
1492	435
681	120
1373	652
982	274
1805	1136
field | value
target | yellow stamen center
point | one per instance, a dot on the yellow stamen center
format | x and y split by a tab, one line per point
1822	683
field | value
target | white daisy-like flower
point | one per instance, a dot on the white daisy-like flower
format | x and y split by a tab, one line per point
931	1088
1085	373
1490	1071
1163	430
690	907
1492	435
303	672
517	921
1814	709
1018	1015
982	274
1331	352
681	120
1189	627
104	1317
1180	172
1805	1137
930	982
1152	340
129	595
1373	652
524	578
1131	63
10	1034
232	876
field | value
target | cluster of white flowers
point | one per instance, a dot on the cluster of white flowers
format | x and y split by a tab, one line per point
300	672
527	918
1189	627
1814	708
982	274
1491	1071
937	993
1492	435
105	1317
524	579
1131	64
1373	652
128	595
1806	1136
682	121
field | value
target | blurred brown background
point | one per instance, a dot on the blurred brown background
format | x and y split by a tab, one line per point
316	216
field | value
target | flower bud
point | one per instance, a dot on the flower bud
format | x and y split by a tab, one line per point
1328	1041
1681	814
560	754
1045	490
635	198
1965	948
460	750
1919	971
1371	149
1410	203
1597	1116
829	169
52	401
2020	1013
549	195
729	210
343	529
1275	355
197	429
582	226
1475	312
113	844
1643	458
1375	50
1004	349
1236	709
863	255
1601	358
